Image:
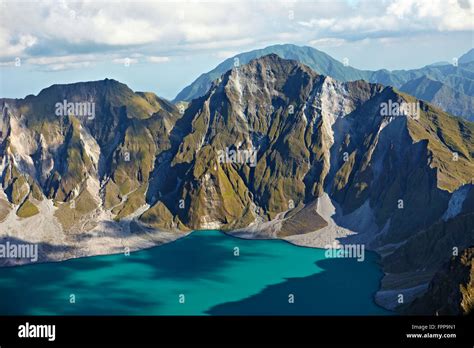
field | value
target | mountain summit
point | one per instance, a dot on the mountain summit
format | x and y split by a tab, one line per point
272	150
456	81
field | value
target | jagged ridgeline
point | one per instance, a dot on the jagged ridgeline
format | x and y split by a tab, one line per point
449	86
85	146
264	142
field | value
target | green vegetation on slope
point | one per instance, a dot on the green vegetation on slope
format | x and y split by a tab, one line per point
27	209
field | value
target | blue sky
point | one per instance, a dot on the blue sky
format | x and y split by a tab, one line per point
163	46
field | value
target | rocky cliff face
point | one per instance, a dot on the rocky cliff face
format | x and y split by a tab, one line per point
96	154
451	292
273	149
311	134
449	87
272	116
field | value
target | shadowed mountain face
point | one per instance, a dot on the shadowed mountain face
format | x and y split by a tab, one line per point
267	143
451	292
455	83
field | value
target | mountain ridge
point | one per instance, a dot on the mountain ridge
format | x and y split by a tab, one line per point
272	150
458	78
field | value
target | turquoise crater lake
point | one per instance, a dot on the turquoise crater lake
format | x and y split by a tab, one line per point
203	268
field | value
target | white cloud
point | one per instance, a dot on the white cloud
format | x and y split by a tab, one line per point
404	17
8	63
59	63
13	46
125	61
225	54
61	59
327	42
155	31
443	15
66	66
156	59
324	23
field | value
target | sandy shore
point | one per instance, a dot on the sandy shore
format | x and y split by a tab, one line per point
107	237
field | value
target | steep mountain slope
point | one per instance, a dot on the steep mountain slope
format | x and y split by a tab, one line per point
451	292
269	107
94	160
458	79
467	57
301	154
317	60
273	149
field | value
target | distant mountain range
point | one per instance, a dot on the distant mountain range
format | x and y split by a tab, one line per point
452	83
442	95
272	149
467	57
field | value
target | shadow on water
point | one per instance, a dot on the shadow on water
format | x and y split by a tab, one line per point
147	281
46	289
342	288
117	284
197	256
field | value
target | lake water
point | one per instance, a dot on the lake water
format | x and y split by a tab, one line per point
203	268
